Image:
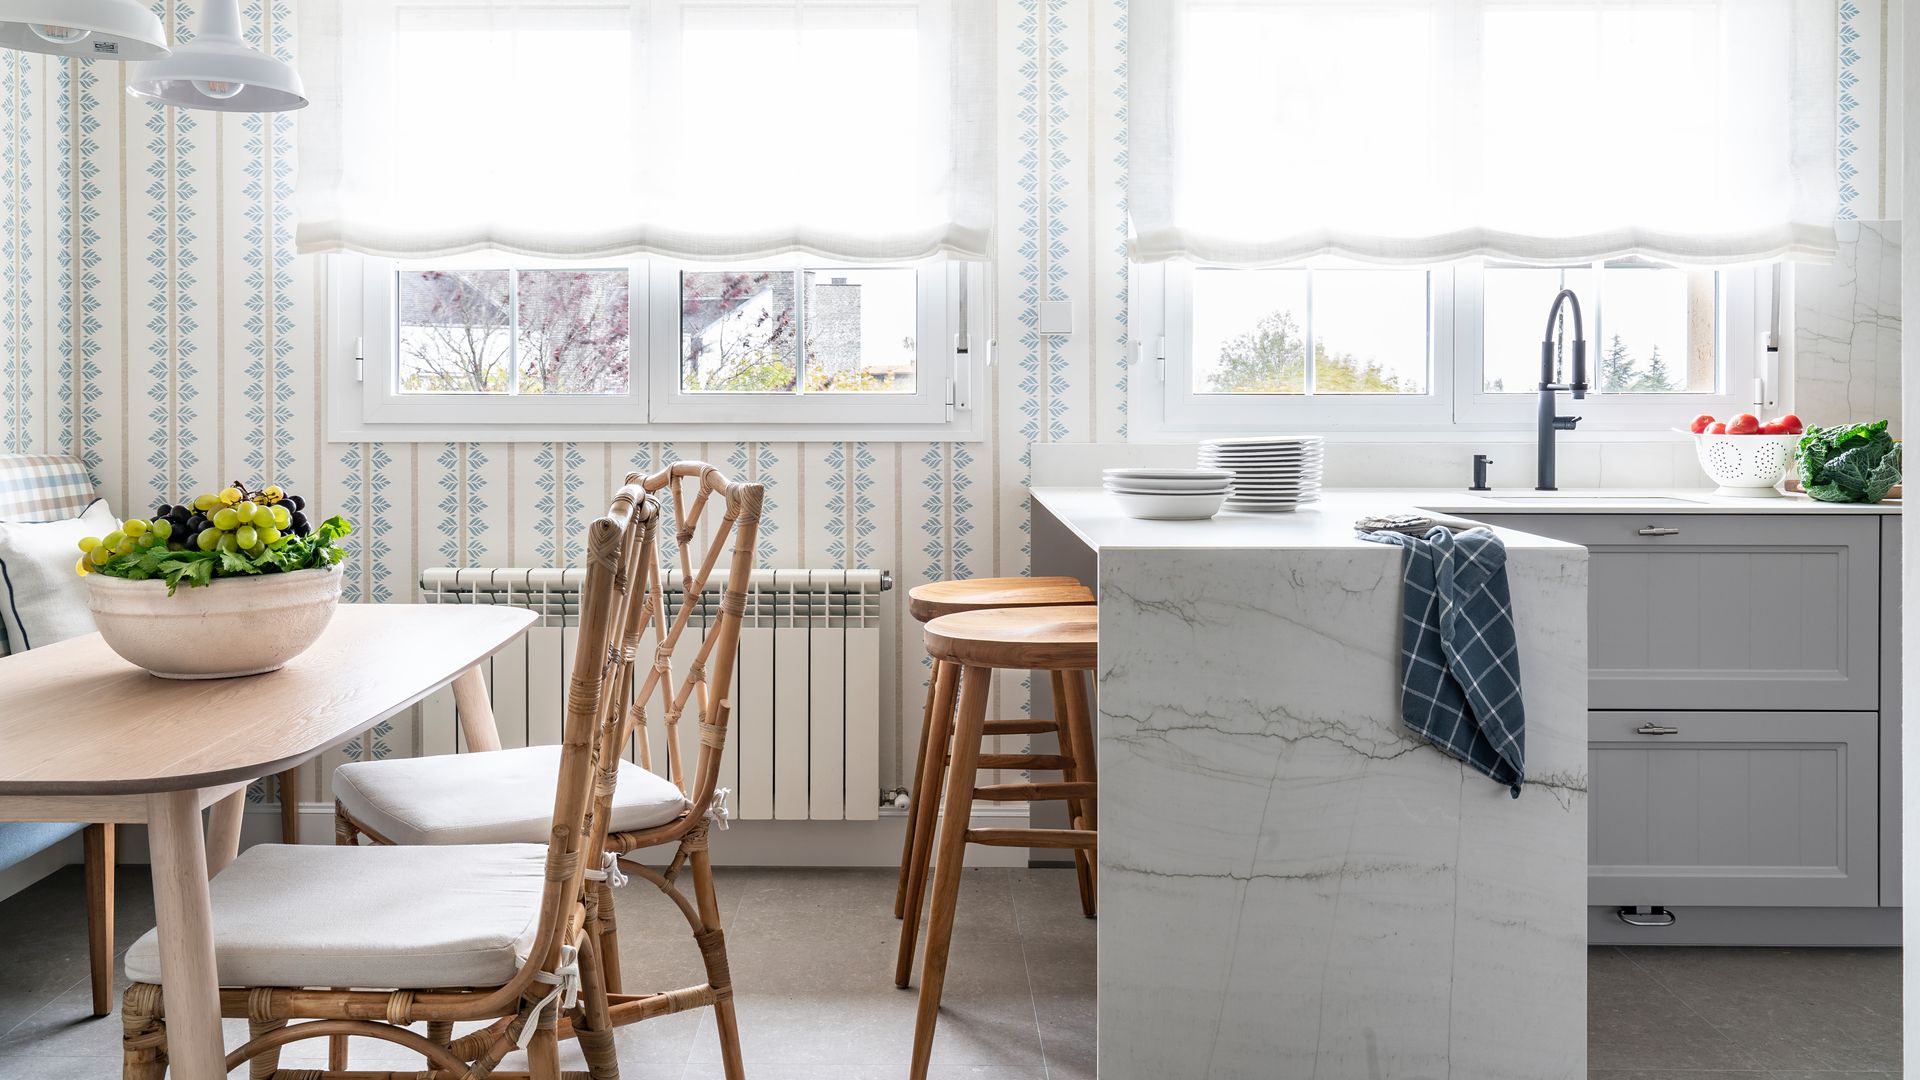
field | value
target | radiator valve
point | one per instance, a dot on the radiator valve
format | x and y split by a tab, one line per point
898	797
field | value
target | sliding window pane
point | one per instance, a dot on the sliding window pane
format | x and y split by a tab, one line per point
738	332
1656	333
860	327
455	332
1370	330
574	332
1513	316
1249	331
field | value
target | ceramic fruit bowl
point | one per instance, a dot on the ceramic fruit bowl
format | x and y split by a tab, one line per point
1746	466
229	627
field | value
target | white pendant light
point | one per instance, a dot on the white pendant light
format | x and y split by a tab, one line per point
108	29
219	70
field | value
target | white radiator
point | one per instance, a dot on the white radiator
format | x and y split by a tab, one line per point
804	739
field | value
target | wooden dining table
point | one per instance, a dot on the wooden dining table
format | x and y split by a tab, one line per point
86	736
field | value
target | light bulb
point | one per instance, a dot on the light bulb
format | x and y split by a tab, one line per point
222	88
59	35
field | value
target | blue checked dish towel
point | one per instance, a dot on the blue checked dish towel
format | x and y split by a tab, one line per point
1459	660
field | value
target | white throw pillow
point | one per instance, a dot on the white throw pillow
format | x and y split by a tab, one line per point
42	599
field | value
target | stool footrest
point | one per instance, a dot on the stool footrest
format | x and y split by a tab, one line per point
1080	789
1018	727
1043	762
1040	838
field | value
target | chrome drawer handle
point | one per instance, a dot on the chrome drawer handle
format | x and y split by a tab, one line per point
1655	917
1659	530
1651	728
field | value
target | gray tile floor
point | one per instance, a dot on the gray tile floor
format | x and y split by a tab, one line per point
812	959
813	956
1751	1014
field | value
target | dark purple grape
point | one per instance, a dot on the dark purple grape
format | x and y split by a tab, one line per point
165	511
297	503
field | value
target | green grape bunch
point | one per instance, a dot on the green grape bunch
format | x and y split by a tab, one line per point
233	532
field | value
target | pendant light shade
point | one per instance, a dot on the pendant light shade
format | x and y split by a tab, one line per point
219	70
108	29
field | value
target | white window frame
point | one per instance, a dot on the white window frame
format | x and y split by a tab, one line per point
1163	406
954	349
936	372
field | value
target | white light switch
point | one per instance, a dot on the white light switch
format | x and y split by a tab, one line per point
1056	316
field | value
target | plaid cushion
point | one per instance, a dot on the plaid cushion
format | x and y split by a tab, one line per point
43	487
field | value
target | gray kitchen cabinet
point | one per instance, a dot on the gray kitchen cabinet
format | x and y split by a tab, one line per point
1744	743
1733	809
1890	711
1740	612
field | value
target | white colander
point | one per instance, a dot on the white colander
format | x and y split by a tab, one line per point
1747	466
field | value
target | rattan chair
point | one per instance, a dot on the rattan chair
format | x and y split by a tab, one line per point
503	934
458	798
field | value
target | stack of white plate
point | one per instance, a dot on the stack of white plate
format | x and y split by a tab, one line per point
1272	474
1168	494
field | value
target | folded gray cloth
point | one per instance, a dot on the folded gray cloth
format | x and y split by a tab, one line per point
1460	662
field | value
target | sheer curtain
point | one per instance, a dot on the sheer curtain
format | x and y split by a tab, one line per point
1414	131
697	129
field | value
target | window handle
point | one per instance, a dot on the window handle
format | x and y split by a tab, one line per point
1651	728
1659	530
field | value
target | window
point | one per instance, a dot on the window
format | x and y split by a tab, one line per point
488	346
1340	345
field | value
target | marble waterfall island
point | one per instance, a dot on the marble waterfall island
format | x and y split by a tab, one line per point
1292	885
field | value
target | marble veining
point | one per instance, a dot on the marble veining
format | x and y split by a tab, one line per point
1292	885
1847	329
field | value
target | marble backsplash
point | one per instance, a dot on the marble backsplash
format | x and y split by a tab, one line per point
1846	336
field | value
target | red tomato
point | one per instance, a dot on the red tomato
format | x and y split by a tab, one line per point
1791	424
1700	422
1716	428
1744	424
1773	427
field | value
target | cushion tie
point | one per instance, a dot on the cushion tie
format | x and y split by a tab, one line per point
717	810
565	992
609	871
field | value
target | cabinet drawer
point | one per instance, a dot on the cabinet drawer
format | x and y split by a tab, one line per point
1689	611
1756	809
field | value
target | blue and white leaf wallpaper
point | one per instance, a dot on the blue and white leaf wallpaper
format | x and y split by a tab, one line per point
155	319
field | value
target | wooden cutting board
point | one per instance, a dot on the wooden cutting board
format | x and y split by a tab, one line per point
1793	484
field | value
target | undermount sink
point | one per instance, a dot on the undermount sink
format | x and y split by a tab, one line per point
1555	496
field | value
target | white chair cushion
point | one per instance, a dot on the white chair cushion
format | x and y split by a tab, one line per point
42	599
369	917
494	797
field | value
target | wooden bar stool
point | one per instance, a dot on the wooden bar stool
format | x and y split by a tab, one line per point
1062	641
926	603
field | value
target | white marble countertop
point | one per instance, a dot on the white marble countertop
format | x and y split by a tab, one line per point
1627	500
1098	521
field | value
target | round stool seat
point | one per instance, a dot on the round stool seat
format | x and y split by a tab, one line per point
936	598
1031	638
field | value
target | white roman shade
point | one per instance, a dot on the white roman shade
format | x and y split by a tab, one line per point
859	130
1415	131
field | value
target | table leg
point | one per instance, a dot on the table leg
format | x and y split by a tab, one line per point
476	711
185	918
223	831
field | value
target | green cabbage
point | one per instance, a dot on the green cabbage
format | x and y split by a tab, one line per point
1857	464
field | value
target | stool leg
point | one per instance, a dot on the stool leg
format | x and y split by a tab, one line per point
1079	756
913	808
1079	717
952	860
924	813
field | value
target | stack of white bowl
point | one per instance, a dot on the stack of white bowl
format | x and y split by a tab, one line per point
1272	474
1168	494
